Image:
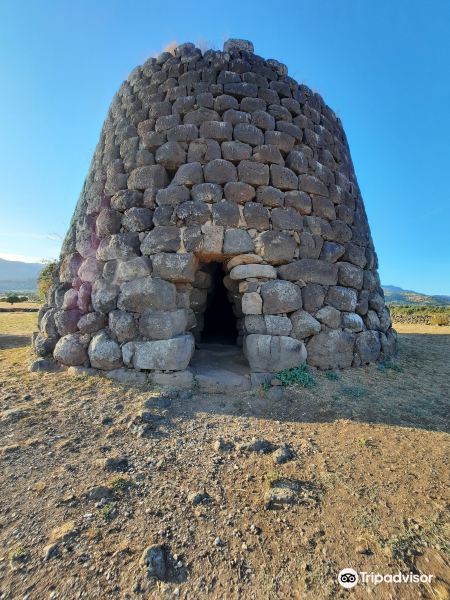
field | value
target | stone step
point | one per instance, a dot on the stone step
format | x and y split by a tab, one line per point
221	381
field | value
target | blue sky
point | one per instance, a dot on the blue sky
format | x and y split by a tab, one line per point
382	66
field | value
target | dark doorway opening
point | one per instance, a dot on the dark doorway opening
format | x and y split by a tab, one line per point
220	322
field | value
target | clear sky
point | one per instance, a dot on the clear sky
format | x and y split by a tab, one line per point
382	66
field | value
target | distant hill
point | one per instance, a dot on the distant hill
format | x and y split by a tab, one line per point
18	276
397	295
22	277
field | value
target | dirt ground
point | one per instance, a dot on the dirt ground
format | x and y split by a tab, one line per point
365	484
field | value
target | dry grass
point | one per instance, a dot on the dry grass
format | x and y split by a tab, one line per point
418	329
16	323
372	443
19	305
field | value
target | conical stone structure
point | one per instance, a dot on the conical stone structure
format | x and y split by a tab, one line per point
217	160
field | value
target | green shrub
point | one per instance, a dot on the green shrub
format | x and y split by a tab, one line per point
120	484
46	278
19	554
107	512
13	298
389	364
332	375
399	310
297	376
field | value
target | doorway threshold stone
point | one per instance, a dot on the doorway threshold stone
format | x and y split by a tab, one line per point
220	369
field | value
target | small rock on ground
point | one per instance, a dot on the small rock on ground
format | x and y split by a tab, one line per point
259	445
154	559
282	455
199	498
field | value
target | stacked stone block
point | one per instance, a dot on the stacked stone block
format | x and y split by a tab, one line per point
206	158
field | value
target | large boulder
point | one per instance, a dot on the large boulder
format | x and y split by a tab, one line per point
121	201
226	214
151	176
68	269
70	299
331	350
122	325
310	270
255	324
372	320
84	297
71	350
193	212
172	195
237	241
66	321
170	155
250	271
90	269
353	322
303	325
385	319
244	259
330	316
212	241
277	325
47	324
126	270
280	297
363	302
220	171
119	245
350	275
179	268
251	303
286	218
253	173
368	346
108	222
273	352
313	296
277	247
91	322
147	293
355	254
163	238
104	353
389	343
331	251
312	185
162	325
342	298
104	296
188	175
164	355
43	345
137	219
256	216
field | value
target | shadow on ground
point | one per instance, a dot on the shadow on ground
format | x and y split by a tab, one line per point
415	393
14	341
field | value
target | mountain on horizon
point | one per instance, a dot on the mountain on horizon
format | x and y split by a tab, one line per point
18	276
397	295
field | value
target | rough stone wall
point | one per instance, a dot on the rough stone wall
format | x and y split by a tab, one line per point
217	157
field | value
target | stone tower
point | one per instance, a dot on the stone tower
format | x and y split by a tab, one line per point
217	163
